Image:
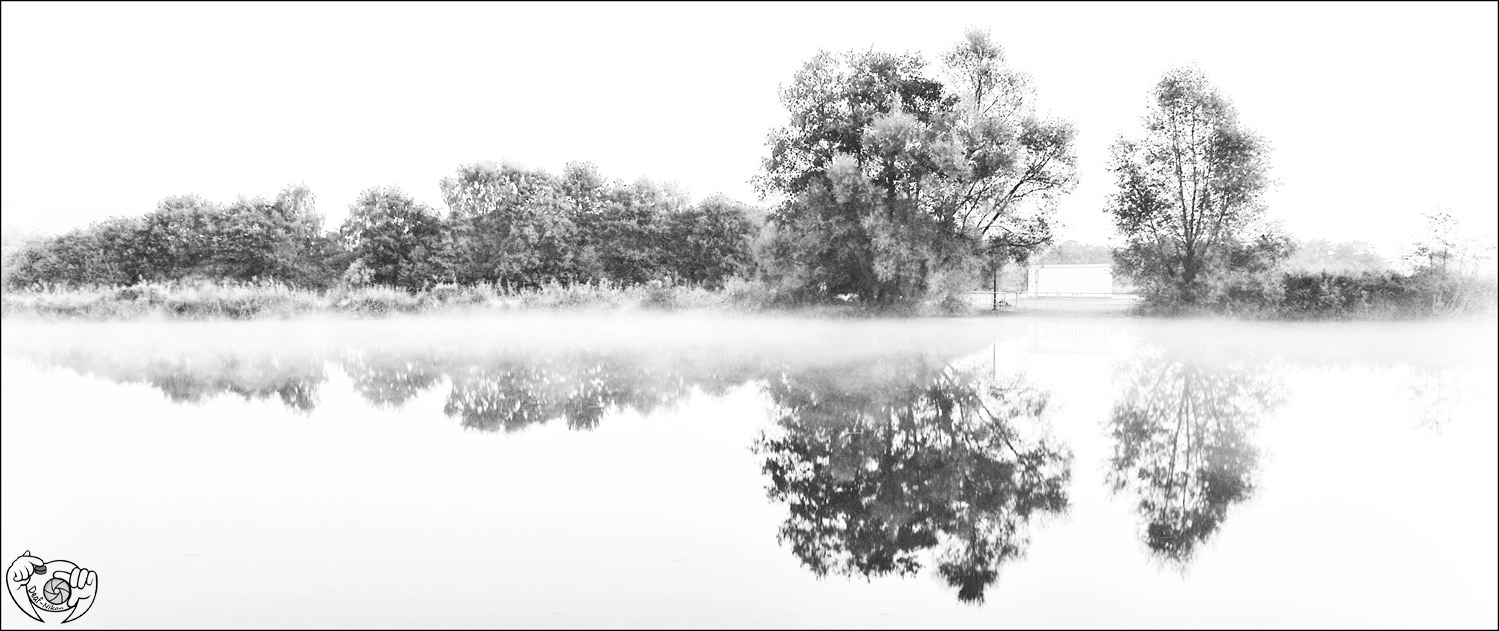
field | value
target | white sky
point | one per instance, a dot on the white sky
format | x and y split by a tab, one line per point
1376	112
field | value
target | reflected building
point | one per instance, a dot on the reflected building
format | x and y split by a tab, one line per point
1183	434
889	468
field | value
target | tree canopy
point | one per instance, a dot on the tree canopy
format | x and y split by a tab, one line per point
394	240
894	185
187	237
1188	193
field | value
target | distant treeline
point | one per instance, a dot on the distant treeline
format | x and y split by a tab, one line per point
504	225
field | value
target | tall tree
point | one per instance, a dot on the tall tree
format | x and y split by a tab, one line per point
890	180
1189	191
1016	162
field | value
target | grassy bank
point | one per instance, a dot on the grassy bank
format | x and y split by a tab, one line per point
228	300
1323	297
1335	296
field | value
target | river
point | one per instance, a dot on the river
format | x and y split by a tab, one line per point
674	470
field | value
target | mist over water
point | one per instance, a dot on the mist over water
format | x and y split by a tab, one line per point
593	470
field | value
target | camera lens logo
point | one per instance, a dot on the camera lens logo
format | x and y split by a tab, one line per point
51	591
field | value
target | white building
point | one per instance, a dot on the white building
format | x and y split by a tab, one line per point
1071	279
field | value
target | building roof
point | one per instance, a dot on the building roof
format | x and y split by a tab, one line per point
1077	265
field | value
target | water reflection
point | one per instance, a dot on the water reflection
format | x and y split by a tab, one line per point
517	393
387	379
293	380
864	454
884	467
887	465
1437	395
1183	444
486	391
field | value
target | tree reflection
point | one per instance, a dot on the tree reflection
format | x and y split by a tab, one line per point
292	380
1438	395
512	395
880	471
510	392
488	391
1183	445
388	379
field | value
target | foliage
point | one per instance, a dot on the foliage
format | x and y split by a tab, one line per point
1321	255
1343	295
278	239
520	228
527	228
393	239
509	224
216	299
712	242
106	252
1188	193
888	177
633	232
186	237
1072	253
1448	278
1448	250
1384	294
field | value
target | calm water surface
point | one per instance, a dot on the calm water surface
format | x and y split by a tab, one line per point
681	471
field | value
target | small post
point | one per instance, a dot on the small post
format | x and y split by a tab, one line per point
995	295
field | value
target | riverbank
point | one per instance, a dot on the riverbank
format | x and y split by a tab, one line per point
252	301
236	301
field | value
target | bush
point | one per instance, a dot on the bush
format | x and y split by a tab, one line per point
376	300
1343	295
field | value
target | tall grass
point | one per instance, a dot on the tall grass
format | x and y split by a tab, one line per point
231	300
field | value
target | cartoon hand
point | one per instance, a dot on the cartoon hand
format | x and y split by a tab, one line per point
83	584
19	573
23	567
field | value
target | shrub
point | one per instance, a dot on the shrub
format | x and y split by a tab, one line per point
376	300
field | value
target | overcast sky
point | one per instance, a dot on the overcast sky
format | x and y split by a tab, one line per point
1376	112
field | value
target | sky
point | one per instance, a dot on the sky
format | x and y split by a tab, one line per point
1375	112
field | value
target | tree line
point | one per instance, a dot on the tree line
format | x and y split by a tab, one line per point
504	224
889	185
893	182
